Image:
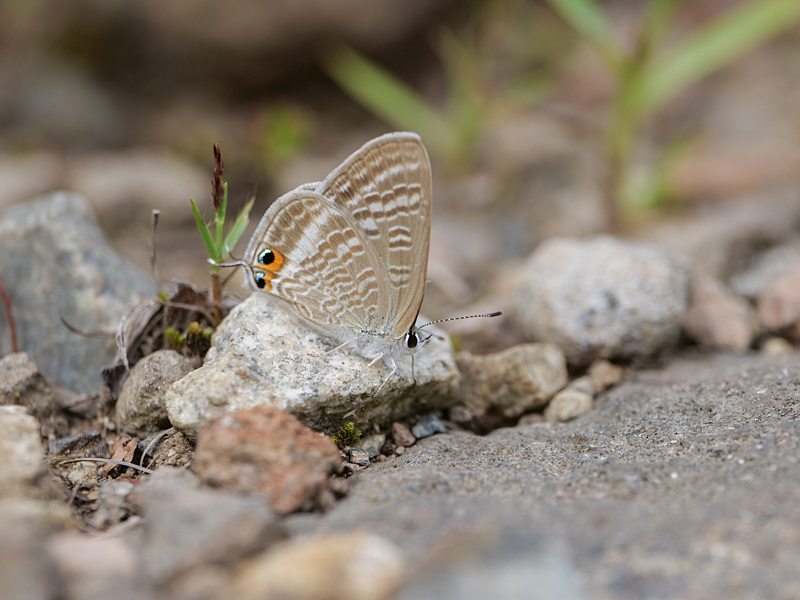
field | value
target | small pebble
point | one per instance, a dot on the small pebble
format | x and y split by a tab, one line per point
428	425
359	456
402	435
604	374
400	450
372	444
568	404
776	346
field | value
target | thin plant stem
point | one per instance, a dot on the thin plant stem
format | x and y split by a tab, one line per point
216	295
10	317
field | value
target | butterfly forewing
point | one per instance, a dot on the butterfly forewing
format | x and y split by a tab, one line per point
326	269
386	187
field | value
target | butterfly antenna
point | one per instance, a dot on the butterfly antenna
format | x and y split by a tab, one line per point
492	314
237	262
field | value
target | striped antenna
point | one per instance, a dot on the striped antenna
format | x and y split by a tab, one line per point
492	314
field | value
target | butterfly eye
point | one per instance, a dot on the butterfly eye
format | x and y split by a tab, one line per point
261	281
266	257
412	340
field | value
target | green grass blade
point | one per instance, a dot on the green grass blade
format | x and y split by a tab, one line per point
587	18
657	18
238	227
388	97
208	241
712	48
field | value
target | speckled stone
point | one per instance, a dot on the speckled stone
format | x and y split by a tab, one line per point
602	298
264	354
55	264
140	408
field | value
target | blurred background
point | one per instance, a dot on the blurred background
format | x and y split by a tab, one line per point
542	118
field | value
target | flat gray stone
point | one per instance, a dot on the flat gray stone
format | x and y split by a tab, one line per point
681	484
264	354
602	298
27	571
512	382
22	383
24	455
140	408
186	525
55	264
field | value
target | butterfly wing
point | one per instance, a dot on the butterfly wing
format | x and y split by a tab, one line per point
386	187
312	254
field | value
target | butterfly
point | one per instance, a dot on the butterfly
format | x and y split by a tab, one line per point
350	253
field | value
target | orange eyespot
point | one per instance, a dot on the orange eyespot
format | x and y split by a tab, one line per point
270	260
268	264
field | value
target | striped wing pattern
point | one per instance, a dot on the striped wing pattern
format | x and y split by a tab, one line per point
386	187
353	249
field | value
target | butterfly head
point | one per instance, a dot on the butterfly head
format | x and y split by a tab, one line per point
415	339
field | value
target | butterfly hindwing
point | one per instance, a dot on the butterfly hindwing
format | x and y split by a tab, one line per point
318	261
351	253
386	187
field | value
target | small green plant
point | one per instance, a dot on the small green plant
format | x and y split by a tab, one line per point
646	78
174	338
494	63
347	435
650	75
219	245
198	339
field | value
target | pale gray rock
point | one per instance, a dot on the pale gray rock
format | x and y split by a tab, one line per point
372	444
512	382
140	408
264	354
341	566
22	383
778	307
26	570
603	375
767	266
93	567
186	525
507	566
718	318
55	264
568	404
776	346
22	452
428	425
602	298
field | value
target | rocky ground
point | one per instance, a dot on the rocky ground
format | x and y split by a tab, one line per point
627	429
682	483
524	473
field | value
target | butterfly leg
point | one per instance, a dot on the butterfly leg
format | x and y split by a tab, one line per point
414	377
388	377
364	370
339	347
